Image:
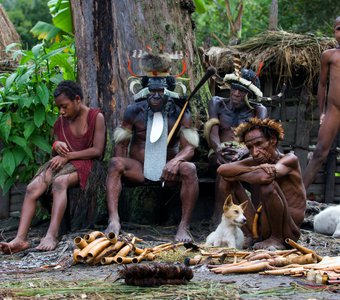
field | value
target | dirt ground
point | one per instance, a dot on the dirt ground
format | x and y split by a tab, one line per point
22	275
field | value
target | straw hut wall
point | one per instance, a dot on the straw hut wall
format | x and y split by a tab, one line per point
293	59
8	35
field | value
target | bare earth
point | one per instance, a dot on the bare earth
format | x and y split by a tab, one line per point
26	268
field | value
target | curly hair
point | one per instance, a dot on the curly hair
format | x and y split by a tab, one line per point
268	127
70	88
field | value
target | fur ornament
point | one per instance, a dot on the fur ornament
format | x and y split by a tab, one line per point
191	135
121	134
254	123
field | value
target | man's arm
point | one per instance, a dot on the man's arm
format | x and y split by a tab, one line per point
123	134
261	111
246	170
322	86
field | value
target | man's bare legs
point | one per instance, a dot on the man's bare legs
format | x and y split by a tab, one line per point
240	196
59	192
277	224
132	170
327	133
222	189
188	194
33	191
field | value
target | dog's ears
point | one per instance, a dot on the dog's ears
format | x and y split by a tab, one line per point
244	205
228	202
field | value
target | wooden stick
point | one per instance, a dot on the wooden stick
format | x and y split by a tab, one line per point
302	249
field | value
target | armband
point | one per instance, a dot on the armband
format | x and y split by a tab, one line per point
54	144
207	128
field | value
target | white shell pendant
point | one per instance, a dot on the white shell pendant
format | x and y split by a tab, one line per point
157	127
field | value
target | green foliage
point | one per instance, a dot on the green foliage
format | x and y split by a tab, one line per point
27	108
24	14
300	16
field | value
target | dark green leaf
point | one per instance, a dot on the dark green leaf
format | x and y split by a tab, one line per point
43	93
41	143
29	128
5	126
39	115
8	162
18	140
19	155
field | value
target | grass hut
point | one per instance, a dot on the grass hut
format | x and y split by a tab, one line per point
293	59
8	35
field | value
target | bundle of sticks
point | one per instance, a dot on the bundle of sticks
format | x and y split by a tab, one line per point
97	248
298	261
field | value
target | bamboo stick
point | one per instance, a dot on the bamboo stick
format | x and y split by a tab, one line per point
94	251
302	249
107	252
93	235
80	242
83	253
112	237
251	268
75	253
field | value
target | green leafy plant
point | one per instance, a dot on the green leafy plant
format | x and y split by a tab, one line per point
27	110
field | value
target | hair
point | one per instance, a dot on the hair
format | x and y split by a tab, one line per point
70	88
337	20
270	128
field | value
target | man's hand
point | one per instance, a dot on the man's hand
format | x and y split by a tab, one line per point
269	169
322	118
170	170
61	148
58	162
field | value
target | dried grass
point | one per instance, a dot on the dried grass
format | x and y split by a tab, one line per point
283	53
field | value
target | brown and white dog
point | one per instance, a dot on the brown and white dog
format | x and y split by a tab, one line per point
228	233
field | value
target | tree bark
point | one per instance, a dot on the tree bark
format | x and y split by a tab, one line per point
106	31
273	17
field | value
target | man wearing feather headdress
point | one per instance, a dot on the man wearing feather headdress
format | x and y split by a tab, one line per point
143	152
281	197
224	115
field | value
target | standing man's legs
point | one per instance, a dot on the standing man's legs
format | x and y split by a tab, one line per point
119	167
327	133
189	194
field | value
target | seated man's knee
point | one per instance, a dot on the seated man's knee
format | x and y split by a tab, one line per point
267	190
115	165
188	170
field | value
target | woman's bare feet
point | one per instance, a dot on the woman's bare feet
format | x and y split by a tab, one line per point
14	246
47	243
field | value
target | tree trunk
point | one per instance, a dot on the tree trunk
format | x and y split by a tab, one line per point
106	32
273	17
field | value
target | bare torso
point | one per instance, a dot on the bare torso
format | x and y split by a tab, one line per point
230	118
333	59
135	119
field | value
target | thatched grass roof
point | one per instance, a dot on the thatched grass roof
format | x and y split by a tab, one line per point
284	54
8	35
